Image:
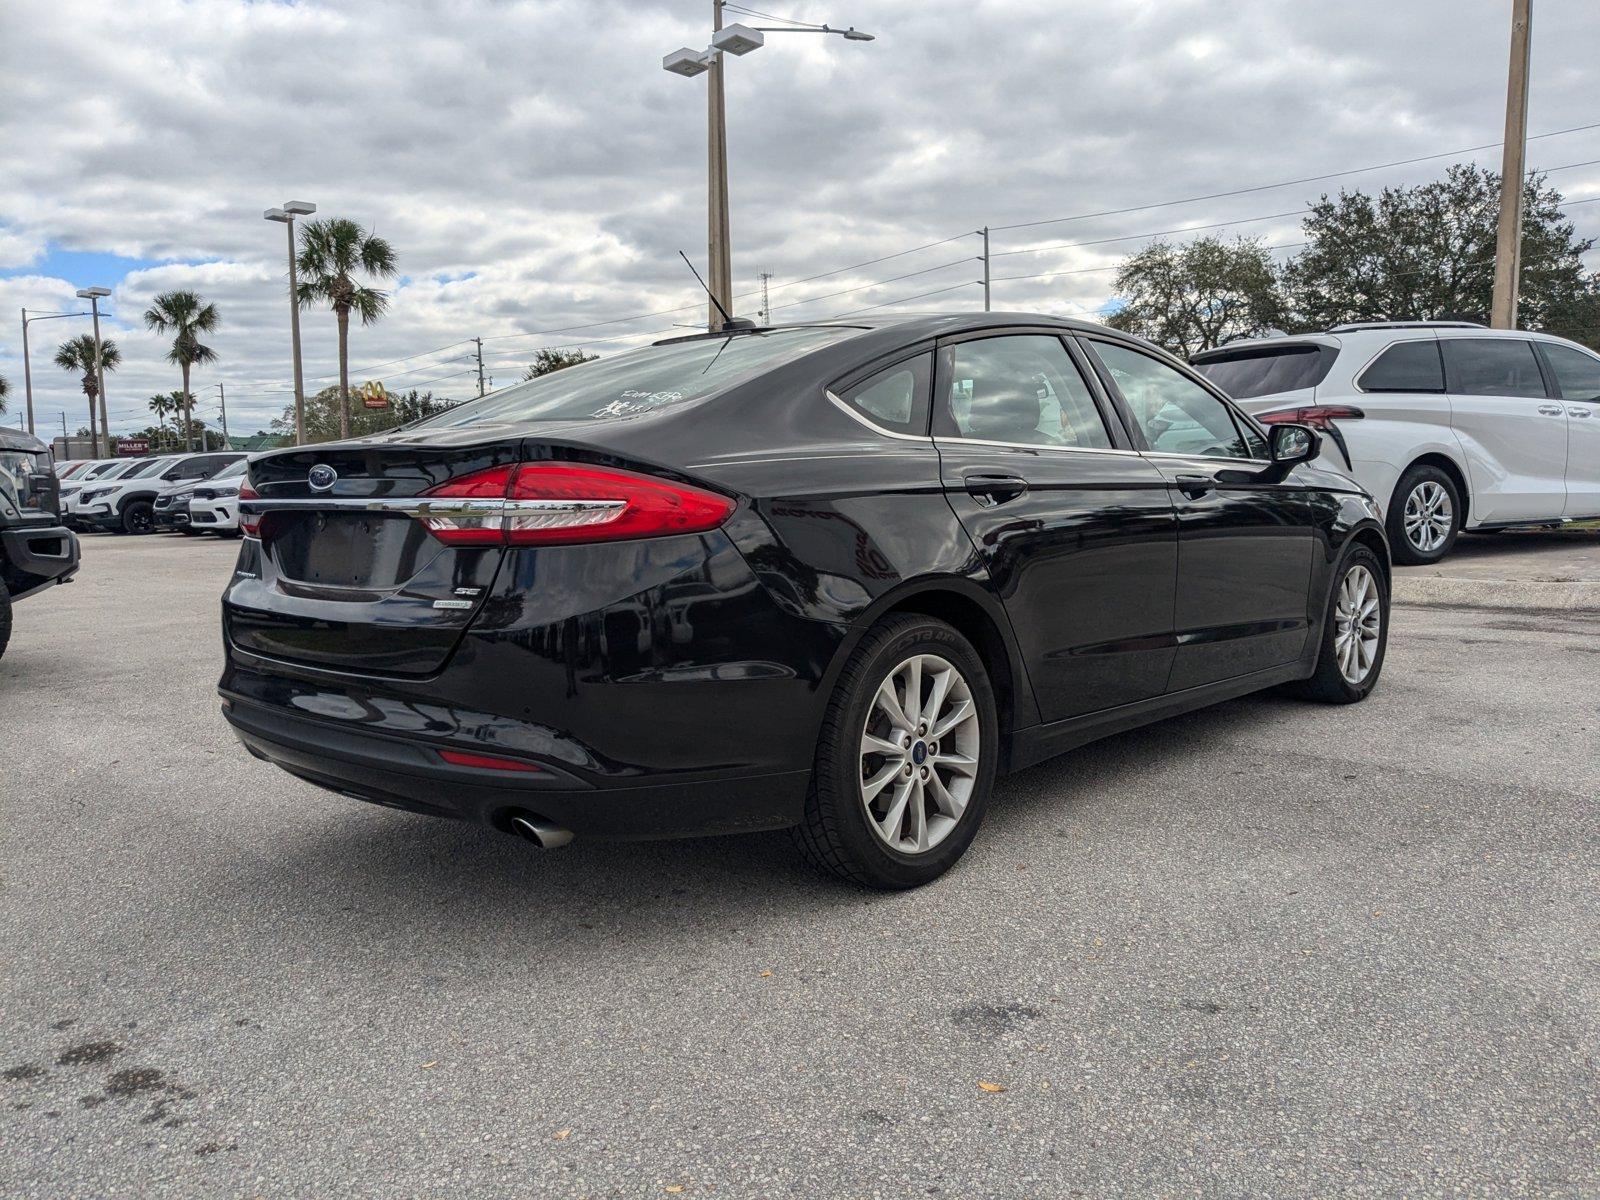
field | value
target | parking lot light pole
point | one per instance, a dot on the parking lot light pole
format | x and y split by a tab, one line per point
740	40
287	214
27	365
94	295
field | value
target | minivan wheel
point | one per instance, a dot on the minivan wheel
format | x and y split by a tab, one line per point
1355	633
906	757
1424	516
139	517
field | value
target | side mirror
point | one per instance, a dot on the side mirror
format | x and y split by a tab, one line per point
1293	444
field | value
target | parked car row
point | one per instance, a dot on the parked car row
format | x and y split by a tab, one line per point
1450	426
186	493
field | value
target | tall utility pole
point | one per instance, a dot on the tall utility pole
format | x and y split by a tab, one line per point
478	341
93	296
766	304
27	363
984	234
734	39
718	237
222	397
1508	241
286	215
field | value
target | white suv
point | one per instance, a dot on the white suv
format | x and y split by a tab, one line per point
1449	425
126	503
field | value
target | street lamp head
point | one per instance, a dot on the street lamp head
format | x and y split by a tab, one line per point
300	208
738	39
686	62
93	293
276	214
855	35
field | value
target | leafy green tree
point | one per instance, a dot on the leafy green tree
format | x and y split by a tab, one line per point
323	413
1194	296
332	252
1427	251
77	354
547	360
185	315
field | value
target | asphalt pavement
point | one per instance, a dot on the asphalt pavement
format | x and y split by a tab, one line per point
1271	949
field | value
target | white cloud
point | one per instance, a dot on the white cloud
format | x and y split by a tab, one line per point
537	170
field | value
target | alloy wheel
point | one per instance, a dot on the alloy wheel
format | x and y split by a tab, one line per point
1428	516
1358	624
141	520
919	754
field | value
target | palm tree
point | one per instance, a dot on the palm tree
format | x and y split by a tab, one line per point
186	316
77	354
162	405
331	251
5	390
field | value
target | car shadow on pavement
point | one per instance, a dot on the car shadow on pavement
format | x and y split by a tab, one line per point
339	862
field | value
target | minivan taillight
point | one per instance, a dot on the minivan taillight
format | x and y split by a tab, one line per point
550	503
1318	416
249	523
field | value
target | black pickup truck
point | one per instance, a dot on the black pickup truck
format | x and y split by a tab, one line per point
36	550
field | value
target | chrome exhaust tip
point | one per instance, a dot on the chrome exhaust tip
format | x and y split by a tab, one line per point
539	831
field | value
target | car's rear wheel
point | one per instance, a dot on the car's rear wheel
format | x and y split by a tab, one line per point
906	757
1355	633
1425	516
139	517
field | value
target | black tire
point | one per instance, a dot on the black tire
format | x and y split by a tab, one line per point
139	516
1329	685
835	833
1417	483
5	618
191	531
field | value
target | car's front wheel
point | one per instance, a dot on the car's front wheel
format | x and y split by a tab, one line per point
1425	516
139	517
906	757
1355	632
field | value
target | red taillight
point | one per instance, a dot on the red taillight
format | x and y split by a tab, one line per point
544	504
486	762
1318	416
249	523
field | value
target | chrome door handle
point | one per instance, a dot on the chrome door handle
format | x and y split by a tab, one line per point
1550	410
1577	412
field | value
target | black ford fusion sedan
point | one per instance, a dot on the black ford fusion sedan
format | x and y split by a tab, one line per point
831	577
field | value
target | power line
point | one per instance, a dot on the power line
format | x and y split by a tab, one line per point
1267	187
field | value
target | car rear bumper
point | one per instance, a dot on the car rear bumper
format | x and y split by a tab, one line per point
406	774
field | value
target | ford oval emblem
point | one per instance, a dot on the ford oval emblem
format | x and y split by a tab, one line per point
322	477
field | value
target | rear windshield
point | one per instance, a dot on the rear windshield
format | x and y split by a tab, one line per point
640	381
1267	371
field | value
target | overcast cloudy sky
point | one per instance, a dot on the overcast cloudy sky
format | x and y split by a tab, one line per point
538	171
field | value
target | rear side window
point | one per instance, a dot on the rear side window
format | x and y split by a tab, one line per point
642	381
1405	367
1023	390
1577	373
1492	367
1244	374
897	397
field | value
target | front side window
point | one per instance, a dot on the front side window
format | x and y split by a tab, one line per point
1492	367
896	397
149	468
1023	389
1577	373
1176	414
1405	367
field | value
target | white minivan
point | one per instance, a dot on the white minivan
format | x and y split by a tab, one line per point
1448	424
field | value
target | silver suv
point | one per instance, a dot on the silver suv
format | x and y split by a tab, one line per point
1449	425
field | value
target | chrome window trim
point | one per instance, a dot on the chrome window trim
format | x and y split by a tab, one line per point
850	412
966	441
